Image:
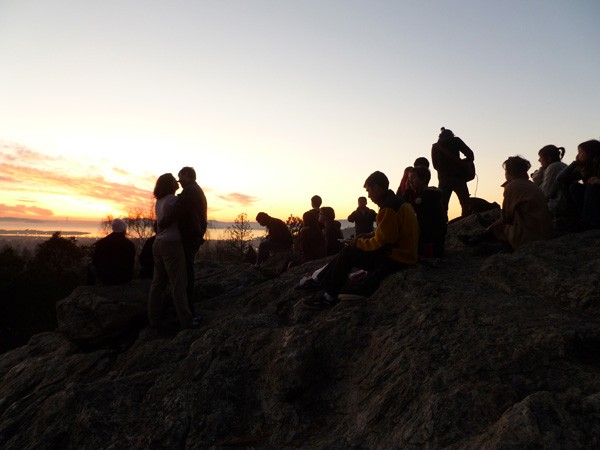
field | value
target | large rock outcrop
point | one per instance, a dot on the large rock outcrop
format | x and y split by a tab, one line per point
468	352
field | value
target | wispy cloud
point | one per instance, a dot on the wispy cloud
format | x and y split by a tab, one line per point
24	210
240	199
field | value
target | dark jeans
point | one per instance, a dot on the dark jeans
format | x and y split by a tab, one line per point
377	263
587	198
190	248
458	185
265	247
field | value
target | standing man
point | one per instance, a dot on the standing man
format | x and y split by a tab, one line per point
451	169
190	213
362	218
392	247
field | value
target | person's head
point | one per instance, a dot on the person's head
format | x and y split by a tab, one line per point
316	201
262	218
186	175
550	154
588	151
516	167
119	226
445	134
421	162
377	185
310	219
419	178
326	214
362	202
165	185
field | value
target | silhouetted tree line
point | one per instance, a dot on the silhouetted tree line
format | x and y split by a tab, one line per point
31	286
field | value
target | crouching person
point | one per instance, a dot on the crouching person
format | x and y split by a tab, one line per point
392	247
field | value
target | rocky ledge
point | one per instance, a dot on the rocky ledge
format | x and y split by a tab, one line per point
466	352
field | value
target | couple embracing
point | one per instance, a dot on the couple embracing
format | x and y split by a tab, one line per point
182	222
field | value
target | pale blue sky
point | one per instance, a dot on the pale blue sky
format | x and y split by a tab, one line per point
279	100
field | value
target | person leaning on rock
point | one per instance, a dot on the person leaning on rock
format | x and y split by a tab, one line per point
113	258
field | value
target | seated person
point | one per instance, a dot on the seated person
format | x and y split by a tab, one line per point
146	258
546	176
278	237
525	214
311	242
332	230
113	258
430	213
363	218
391	248
581	185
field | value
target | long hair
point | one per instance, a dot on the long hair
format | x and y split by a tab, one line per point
165	185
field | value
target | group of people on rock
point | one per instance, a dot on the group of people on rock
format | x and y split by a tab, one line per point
410	223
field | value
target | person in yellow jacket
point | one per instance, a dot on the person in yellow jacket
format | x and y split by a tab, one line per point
392	247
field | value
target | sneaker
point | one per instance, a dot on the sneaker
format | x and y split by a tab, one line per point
347	297
321	301
308	284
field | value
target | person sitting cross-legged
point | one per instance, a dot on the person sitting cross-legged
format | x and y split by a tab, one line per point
392	247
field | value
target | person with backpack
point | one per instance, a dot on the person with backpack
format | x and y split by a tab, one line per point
453	172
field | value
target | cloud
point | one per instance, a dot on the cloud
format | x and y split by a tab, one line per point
240	199
17	152
24	210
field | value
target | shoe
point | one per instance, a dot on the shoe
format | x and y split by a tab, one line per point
308	284
347	297
321	301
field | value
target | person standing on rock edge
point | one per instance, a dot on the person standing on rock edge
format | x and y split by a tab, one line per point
190	213
452	176
392	247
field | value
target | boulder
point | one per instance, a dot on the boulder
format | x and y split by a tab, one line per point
467	352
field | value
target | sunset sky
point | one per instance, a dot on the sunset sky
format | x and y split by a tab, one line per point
275	101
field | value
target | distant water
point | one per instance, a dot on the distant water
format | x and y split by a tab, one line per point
82	228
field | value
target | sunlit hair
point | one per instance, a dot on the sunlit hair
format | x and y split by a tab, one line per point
328	212
377	179
423	173
421	161
310	219
552	152
188	172
316	201
165	185
516	165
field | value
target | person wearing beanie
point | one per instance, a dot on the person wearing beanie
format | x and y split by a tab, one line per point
113	258
452	175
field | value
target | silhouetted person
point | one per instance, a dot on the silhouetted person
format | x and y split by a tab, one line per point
315	203
581	181
169	258
430	213
404	186
452	176
332	230
278	237
190	213
392	247
146	258
546	177
113	258
311	242
525	214
362	218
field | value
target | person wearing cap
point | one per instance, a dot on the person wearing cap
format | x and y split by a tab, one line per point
113	258
445	156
